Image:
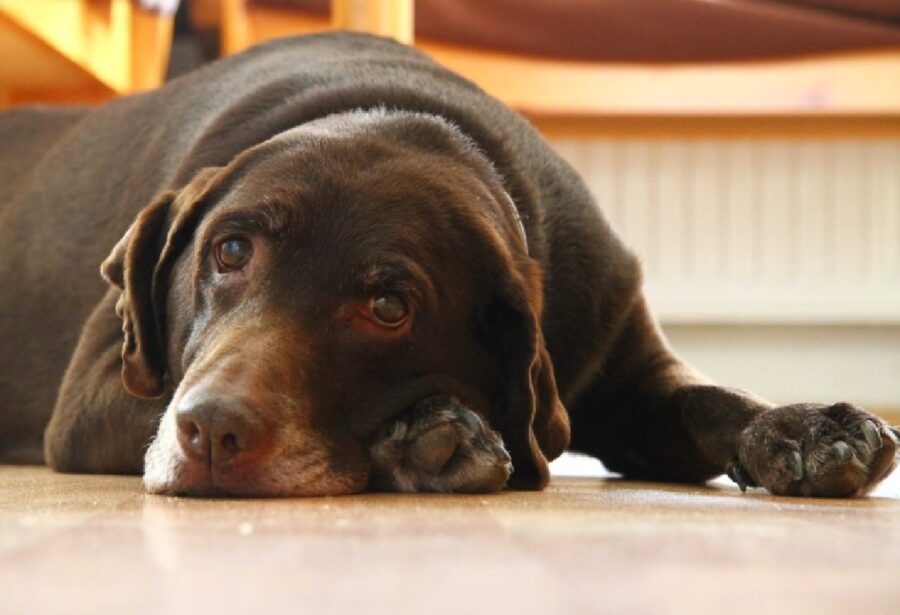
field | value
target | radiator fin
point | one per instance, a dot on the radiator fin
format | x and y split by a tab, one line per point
742	231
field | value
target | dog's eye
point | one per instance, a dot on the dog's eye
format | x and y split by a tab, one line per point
389	310
233	253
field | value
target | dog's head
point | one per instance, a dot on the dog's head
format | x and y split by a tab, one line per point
323	282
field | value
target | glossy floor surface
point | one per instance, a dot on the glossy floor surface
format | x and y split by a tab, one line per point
97	544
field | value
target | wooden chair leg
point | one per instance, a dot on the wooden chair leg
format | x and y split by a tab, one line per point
392	18
151	43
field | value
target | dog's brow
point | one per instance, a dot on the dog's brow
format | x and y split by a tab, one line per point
398	276
388	274
266	218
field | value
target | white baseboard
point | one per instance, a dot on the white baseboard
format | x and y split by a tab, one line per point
787	364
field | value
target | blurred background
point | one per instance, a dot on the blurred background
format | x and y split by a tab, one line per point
749	150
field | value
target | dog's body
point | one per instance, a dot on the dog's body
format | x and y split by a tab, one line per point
332	162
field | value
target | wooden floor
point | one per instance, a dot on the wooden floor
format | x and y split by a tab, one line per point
97	544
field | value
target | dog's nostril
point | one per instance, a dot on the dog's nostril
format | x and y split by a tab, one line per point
230	443
193	439
191	431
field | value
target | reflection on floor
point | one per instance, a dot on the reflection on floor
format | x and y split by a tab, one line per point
97	544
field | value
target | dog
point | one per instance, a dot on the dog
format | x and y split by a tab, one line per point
332	265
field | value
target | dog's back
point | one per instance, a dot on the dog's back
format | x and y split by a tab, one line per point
26	135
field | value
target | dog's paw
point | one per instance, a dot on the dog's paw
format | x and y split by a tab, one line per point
815	450
439	445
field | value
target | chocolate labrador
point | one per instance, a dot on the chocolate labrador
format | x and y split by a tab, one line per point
333	265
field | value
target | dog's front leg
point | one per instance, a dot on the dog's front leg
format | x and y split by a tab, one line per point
97	426
651	416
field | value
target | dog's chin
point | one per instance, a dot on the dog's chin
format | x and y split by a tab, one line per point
288	471
205	484
276	478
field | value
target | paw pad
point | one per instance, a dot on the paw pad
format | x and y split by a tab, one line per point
439	445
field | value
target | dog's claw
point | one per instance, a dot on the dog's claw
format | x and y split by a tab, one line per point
738	474
841	451
871	434
502	454
469	419
795	463
431	451
895	434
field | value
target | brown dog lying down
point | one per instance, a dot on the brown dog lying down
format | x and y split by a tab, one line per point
348	268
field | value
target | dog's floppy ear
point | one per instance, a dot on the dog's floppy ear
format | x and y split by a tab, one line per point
533	421
138	265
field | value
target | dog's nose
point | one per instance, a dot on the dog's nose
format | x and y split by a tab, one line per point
217	429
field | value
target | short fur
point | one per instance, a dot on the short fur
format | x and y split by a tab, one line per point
358	164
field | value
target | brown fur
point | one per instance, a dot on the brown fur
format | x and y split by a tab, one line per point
357	166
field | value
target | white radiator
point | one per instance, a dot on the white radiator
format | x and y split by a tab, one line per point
756	231
773	265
